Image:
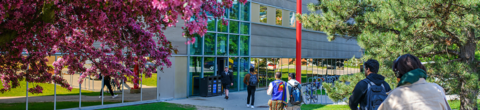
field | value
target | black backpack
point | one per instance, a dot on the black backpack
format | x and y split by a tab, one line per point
253	81
375	95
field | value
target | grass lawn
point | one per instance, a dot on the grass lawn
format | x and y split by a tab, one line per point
322	92
324	107
455	104
48	105
156	106
48	90
152	81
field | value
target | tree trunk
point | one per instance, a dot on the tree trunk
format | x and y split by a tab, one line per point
468	95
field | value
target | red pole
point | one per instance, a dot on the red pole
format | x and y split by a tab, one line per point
298	60
135	80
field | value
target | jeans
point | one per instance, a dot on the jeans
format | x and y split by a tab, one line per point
251	92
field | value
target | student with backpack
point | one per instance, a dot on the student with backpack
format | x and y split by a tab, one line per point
251	80
371	91
277	89
413	92
294	93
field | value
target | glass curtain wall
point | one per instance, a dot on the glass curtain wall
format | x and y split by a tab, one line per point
227	41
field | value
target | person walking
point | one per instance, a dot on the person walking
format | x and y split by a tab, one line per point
106	81
413	92
227	78
277	89
294	93
251	80
371	91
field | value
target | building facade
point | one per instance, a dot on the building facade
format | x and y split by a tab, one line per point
259	34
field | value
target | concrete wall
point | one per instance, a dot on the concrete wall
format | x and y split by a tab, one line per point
174	34
164	82
181	77
172	82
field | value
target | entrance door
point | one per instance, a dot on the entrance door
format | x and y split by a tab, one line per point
221	63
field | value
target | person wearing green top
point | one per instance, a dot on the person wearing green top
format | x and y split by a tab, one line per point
413	91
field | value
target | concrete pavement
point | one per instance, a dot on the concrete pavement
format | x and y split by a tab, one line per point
238	101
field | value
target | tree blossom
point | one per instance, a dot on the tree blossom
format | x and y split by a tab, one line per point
126	29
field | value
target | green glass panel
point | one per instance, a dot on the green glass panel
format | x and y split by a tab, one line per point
221	44
233	67
244	28
233	45
234	10
244	46
210	44
233	27
195	73
221	27
244	65
196	48
211	24
245	14
209	66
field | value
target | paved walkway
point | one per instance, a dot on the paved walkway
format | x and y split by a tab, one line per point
238	101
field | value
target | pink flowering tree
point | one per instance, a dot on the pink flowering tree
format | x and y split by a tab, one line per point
31	30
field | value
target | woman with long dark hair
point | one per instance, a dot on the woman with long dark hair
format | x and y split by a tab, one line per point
413	92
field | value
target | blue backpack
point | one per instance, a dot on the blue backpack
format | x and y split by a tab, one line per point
375	95
253	80
296	97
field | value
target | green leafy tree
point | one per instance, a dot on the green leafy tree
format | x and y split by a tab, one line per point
442	31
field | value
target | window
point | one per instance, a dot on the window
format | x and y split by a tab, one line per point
245	12
244	41
292	19
234	10
233	45
278	17
196	48
233	25
209	44
221	27
244	28
263	14
211	24
221	44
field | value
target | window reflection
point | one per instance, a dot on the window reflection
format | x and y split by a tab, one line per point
263	14
233	27
221	27
209	43
278	17
233	67
211	24
221	44
195	73
233	45
196	48
244	64
209	66
292	19
244	40
245	28
245	14
234	10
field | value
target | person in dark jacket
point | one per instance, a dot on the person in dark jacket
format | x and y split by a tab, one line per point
227	78
360	90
